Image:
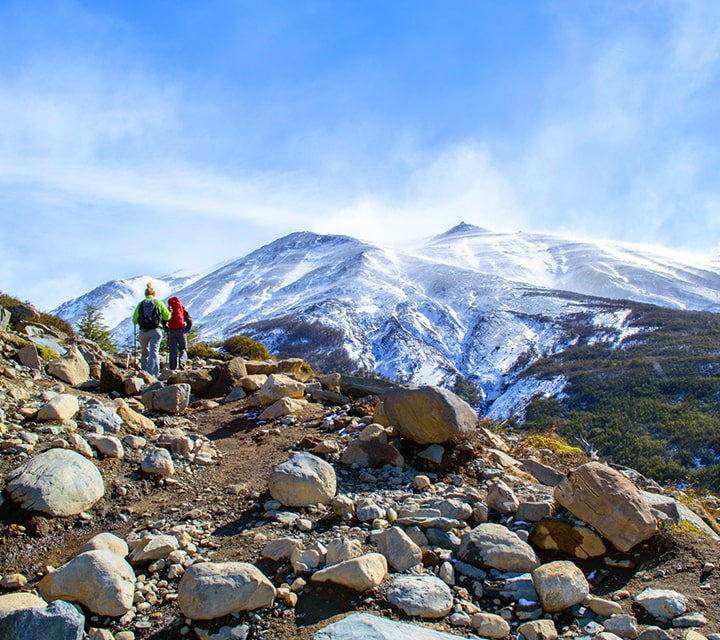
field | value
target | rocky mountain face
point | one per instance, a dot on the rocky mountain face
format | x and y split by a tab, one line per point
244	500
470	305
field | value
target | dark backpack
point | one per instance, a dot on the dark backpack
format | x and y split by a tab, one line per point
148	314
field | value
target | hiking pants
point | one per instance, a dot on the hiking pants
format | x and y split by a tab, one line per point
177	345
150	355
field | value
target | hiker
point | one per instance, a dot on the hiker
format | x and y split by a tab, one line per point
177	328
148	316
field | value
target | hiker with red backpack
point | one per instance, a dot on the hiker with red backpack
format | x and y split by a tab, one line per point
177	328
149	314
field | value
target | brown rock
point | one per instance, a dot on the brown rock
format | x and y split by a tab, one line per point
372	454
610	502
226	377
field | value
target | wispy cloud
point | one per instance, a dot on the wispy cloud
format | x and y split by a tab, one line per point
615	138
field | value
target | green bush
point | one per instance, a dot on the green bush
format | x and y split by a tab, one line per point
206	352
245	347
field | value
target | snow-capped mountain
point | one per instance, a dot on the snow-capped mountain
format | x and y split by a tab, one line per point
468	304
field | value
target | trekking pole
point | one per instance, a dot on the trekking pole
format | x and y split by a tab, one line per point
134	346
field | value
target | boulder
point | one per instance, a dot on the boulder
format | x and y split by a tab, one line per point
429	415
342	549
107	446
108	542
100	580
152	548
558	534
134	421
366	626
610	502
173	398
199	380
362	573
543	473
61	407
226	377
371	454
210	590
252	382
291	366
112	378
421	596
57	482
20	600
71	367
501	497
283	407
158	461
28	357
303	480
490	625
278	386
663	604
102	419
493	545
538	630
58	621
560	585
401	552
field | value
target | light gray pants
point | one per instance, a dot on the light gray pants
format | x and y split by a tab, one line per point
150	355
177	345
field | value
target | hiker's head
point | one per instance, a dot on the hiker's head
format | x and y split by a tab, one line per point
149	290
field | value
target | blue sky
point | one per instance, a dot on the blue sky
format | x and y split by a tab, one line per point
141	138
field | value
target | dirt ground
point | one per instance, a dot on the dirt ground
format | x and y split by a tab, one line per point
236	530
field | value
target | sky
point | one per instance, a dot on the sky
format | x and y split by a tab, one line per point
143	138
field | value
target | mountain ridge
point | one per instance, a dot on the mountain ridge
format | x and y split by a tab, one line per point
469	304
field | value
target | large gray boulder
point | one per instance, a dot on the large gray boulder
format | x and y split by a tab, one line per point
173	398
493	545
610	502
429	415
303	480
57	482
421	596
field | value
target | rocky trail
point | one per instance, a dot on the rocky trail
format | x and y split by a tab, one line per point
276	506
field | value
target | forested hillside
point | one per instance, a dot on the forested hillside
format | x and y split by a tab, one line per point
653	404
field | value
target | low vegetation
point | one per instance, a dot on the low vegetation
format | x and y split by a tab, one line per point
653	404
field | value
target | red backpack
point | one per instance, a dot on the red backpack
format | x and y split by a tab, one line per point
178	314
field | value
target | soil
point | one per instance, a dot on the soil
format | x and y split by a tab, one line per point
236	529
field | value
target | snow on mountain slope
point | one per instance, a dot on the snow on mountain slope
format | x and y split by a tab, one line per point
469	303
608	270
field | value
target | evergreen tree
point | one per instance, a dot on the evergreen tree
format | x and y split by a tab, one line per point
92	327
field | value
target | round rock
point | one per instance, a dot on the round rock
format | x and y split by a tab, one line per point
58	482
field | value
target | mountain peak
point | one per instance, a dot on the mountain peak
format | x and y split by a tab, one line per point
461	229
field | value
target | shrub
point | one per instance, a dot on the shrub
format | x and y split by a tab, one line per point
55	322
46	353
206	352
245	347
